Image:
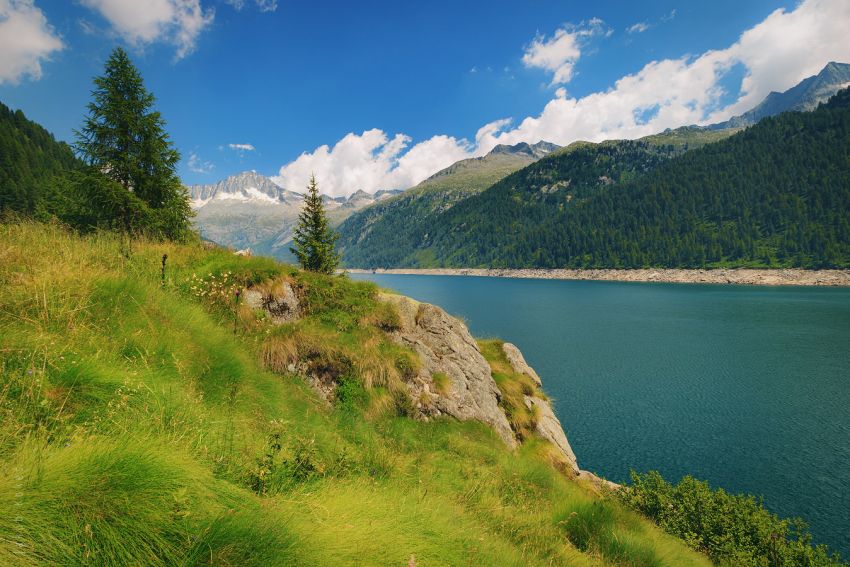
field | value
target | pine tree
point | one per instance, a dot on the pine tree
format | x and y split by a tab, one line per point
314	240
124	139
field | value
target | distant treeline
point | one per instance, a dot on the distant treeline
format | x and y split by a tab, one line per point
774	195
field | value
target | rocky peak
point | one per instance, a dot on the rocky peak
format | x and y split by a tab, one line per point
804	96
248	186
536	151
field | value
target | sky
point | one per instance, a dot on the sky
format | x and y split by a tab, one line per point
381	94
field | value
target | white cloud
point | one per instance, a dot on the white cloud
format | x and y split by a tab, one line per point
371	161
639	27
262	5
783	49
241	147
141	22
26	40
197	165
560	53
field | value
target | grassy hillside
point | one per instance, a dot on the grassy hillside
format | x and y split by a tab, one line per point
151	420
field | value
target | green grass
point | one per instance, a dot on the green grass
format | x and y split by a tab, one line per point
151	424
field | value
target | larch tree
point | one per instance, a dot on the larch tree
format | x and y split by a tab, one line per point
124	139
313	238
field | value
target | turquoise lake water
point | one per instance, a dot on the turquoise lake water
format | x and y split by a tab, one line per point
746	387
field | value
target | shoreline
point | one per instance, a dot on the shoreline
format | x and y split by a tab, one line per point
729	276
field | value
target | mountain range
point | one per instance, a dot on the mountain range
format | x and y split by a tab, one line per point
249	210
464	232
804	96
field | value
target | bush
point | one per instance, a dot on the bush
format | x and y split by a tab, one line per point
731	529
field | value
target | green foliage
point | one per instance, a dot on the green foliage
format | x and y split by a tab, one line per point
127	181
406	217
123	139
313	237
30	158
773	195
140	426
731	529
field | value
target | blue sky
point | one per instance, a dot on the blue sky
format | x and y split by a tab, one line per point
379	95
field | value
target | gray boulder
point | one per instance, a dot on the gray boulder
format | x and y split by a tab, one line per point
549	428
445	347
518	363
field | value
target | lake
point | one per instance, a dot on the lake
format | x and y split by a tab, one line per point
746	387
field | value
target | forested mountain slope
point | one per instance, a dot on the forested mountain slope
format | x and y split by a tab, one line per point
404	216
776	194
29	158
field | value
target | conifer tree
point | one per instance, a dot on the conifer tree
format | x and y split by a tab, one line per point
124	139
313	238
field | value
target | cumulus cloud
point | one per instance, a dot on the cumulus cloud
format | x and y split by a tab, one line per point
777	53
560	53
371	161
241	147
639	27
141	22
786	47
197	165
26	40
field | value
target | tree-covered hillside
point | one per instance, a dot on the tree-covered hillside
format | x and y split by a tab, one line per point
29	158
403	217
579	171
776	194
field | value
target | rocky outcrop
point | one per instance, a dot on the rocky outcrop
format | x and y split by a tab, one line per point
597	481
518	363
279	302
446	348
453	378
549	428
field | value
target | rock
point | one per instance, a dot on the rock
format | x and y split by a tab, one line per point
549	428
598	481
244	252
518	363
279	302
445	346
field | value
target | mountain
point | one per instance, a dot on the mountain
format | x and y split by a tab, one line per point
249	210
405	215
776	194
243	209
29	158
804	96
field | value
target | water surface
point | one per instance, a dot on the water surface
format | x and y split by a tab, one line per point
746	387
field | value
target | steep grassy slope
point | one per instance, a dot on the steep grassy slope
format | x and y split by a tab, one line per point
140	424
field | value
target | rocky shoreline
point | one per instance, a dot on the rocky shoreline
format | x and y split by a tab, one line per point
734	276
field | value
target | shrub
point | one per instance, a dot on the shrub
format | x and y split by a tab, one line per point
731	529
